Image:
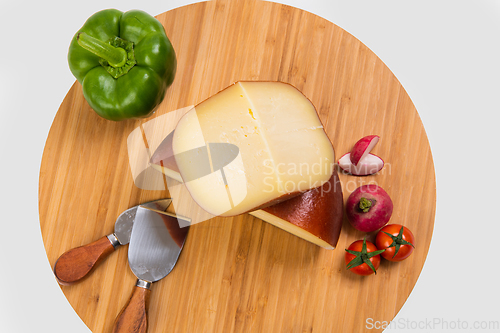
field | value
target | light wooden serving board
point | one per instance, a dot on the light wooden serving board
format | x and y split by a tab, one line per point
241	274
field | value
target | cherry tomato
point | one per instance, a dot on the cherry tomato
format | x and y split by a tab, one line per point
397	240
362	257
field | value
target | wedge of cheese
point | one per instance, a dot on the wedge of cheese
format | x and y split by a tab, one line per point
314	215
276	148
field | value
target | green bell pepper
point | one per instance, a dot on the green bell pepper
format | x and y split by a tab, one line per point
124	62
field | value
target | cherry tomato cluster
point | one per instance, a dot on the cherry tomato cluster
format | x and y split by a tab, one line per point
393	242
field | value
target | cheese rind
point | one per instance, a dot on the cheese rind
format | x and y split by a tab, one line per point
163	159
282	147
315	215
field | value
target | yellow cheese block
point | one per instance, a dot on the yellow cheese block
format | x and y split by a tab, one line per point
276	148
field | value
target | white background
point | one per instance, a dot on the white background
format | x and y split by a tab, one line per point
446	54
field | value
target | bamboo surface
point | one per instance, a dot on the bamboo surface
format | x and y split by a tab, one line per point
241	274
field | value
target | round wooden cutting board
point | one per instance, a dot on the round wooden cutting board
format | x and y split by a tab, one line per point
241	274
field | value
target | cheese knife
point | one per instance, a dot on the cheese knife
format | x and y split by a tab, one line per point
155	245
77	263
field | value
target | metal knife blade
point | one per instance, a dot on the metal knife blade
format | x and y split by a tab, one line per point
123	226
152	252
124	223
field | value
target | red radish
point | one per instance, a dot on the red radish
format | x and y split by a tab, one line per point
363	148
369	208
369	165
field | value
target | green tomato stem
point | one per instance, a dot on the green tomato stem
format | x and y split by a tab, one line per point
397	241
115	56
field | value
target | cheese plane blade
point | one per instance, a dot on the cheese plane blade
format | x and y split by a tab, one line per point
155	245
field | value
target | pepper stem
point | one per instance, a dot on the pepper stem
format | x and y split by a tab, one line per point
365	205
115	56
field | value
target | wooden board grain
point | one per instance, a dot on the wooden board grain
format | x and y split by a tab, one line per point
240	274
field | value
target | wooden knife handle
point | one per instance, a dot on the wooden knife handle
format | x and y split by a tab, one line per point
75	264
133	317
